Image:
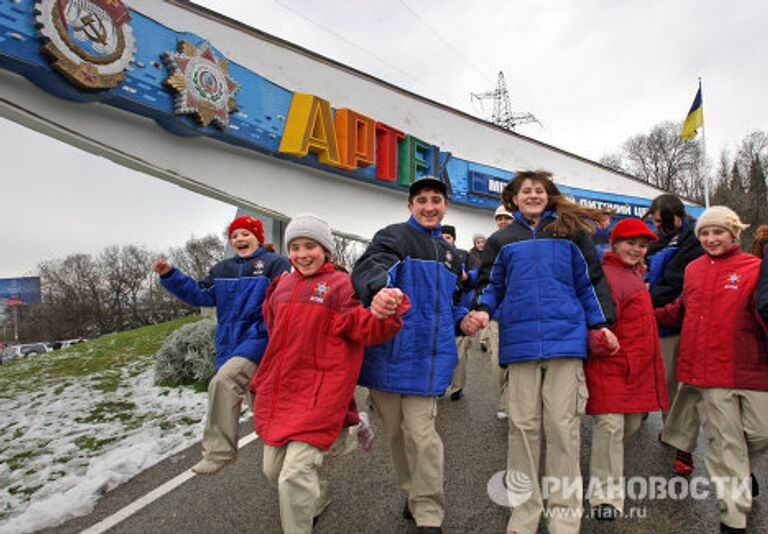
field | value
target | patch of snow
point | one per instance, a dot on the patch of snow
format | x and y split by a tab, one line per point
51	474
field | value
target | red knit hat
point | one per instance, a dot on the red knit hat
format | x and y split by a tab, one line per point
626	228
249	223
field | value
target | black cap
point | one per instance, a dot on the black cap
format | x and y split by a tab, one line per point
427	182
450	230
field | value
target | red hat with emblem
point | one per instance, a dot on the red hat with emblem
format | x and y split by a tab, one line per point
627	228
248	223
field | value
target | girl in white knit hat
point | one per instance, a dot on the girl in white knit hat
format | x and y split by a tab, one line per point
723	358
306	381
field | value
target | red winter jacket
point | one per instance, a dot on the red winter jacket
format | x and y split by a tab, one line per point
632	380
722	344
306	380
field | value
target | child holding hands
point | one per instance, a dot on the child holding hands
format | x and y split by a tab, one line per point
305	384
723	358
627	383
236	286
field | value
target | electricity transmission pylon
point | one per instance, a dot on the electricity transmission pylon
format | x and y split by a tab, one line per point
502	113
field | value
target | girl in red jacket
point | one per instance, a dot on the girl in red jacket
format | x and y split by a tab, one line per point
723	357
306	381
625	385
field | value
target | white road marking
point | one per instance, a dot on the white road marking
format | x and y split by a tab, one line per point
127	511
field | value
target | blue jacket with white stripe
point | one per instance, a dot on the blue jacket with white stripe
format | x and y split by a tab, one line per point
236	286
421	358
545	290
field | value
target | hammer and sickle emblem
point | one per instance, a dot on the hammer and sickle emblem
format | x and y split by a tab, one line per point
94	29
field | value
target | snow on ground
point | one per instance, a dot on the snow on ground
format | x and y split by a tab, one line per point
68	444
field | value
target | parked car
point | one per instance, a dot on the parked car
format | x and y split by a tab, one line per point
11	352
53	345
70	342
33	349
14	352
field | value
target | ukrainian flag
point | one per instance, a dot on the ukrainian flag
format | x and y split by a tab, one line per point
695	118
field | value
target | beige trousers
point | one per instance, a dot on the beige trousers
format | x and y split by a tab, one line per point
551	394
670	346
737	433
459	379
682	421
490	335
610	433
417	451
681	425
226	393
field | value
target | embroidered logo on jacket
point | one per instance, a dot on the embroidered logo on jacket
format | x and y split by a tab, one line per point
733	281
321	291
258	268
448	259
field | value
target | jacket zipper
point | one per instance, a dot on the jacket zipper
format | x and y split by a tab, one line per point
538	303
437	321
276	387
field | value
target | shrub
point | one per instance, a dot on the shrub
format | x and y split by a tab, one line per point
188	355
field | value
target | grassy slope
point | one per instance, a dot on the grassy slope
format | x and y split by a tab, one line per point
95	369
107	356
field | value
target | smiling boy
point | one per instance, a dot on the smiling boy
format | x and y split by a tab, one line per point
406	374
236	286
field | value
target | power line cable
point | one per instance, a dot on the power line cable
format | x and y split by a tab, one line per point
445	41
448	97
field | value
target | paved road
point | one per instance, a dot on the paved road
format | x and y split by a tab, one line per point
367	500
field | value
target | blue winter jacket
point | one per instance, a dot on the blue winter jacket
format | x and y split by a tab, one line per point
421	358
545	290
236	286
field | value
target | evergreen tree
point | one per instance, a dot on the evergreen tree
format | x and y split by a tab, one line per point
738	195
756	212
721	195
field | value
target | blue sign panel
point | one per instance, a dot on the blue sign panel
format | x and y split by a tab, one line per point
26	290
100	50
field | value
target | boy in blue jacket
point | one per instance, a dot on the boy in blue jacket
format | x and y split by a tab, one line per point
407	373
236	286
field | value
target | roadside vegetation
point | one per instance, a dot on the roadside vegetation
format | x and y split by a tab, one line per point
62	413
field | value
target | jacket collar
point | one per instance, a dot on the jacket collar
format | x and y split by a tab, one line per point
259	252
437	231
610	258
545	217
327	267
733	252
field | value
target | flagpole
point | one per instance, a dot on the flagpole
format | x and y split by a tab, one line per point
703	163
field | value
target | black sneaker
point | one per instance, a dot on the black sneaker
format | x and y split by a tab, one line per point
605	512
429	530
755	485
407	512
725	529
456	395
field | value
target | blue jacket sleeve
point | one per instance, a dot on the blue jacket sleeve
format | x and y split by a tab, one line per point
371	271
491	278
194	293
591	285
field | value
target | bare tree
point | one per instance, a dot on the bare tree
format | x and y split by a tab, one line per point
662	159
754	145
346	251
198	255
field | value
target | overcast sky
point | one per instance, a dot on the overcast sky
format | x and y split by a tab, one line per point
594	72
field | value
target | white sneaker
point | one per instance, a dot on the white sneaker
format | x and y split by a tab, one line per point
501	414
209	467
365	434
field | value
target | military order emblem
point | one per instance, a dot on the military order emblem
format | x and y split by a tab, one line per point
202	84
88	41
321	291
